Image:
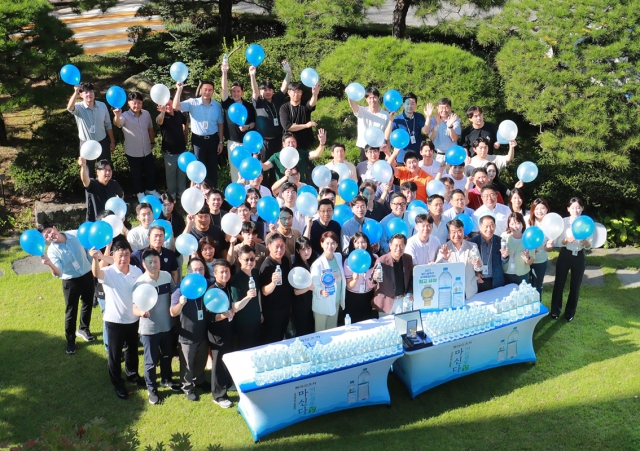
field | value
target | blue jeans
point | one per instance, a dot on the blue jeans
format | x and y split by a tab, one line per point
537	280
512	278
157	349
104	327
176	178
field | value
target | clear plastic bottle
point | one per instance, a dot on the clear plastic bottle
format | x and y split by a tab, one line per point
279	272
513	307
535	305
458	294
497	306
512	343
252	284
520	304
407	303
444	289
378	272
347	323
225	58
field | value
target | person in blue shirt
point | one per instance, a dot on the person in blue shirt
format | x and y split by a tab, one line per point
444	128
68	261
410	121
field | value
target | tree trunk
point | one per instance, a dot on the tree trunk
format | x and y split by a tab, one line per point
3	131
224	7
400	18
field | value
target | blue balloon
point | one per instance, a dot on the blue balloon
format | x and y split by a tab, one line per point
359	261
342	213
308	189
583	227
417	203
237	113
455	156
83	234
100	234
532	238
250	168
193	286
348	189
179	71
184	159
399	138
32	242
70	74
216	300
467	221
254	54
238	155
395	226
116	97
156	205
309	77
235	194
373	230
392	100
253	142
166	225
268	209
413	214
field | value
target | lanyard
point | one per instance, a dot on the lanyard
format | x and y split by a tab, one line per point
413	119
269	112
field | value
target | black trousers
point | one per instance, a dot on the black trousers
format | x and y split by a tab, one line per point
274	326
247	335
143	173
486	285
576	264
270	147
105	155
119	335
358	306
206	150
74	290
302	313
220	341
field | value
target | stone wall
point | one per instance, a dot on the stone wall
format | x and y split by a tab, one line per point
66	216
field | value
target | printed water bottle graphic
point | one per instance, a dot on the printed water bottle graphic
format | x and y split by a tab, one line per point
351	393
512	343
363	385
502	351
444	289
458	294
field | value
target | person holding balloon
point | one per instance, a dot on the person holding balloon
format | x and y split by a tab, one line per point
409	121
479	128
338	151
206	123
369	116
284	228
360	284
249	235
138	237
444	128
257	185
67	260
175	219
245	300
398	211
168	261
329	284
356	223
457	249
482	158
139	140
375	210
540	209
458	207
93	121
428	163
364	169
304	156
174	129
411	172
323	224
518	264
574	239
201	225
302	307
215	199
290	176
99	189
295	117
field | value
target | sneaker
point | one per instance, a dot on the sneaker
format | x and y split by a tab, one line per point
225	403
138	380
168	383
191	396
71	348
154	193
85	335
121	393
140	196
153	397
569	318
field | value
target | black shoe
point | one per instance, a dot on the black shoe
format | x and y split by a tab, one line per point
205	387
95	303
191	396
121	393
85	335
569	318
153	397
71	348
553	316
168	383
139	381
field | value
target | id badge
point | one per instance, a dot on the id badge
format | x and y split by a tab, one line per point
485	270
92	129
574	253
362	287
275	122
413	139
205	125
200	315
75	265
512	266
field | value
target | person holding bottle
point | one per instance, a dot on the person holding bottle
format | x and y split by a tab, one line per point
518	264
539	209
303	319
572	258
245	300
397	277
359	294
276	290
329	284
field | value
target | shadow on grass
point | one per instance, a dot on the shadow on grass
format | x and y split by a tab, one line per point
39	382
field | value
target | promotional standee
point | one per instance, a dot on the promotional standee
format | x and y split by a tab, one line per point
294	380
438	286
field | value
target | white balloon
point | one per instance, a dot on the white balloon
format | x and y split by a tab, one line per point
508	130
552	225
231	224
192	200
342	170
599	236
115	223
91	150
186	244
145	296
321	176
117	206
289	157
299	278
436	187
196	171
382	171
374	136
160	94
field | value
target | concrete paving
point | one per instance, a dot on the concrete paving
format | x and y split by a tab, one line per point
28	265
628	278
593	276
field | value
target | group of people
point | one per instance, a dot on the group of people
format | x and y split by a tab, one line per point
252	268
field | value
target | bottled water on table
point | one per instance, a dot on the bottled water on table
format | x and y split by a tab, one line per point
347	323
444	290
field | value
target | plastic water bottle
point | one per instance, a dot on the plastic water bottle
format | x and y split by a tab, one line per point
407	303
512	343
252	284
378	271
503	242
535	305
520	304
225	58
498	308
513	307
444	290
528	296
458	294
505	311
347	323
279	272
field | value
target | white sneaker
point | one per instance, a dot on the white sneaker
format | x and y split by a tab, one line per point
140	196
224	403
154	193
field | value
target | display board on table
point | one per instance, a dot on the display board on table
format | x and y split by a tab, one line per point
438	286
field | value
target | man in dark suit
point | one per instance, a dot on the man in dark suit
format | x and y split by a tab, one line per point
397	277
491	253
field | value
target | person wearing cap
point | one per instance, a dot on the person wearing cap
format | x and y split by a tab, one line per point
371	116
409	121
491	254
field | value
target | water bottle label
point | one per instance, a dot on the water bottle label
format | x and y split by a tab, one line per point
328	280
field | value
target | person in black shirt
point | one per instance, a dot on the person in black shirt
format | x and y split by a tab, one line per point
296	117
276	299
375	210
200	226
174	129
479	129
303	319
215	200
100	189
246	303
168	261
324	223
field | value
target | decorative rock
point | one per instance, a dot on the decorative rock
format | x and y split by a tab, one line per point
29	265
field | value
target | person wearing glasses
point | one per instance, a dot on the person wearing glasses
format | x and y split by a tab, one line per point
323	224
285	228
490	204
246	302
329	284
480	179
364	168
398	210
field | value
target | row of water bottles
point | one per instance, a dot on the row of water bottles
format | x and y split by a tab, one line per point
453	324
521	303
275	364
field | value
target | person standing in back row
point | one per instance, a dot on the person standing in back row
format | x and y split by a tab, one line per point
174	129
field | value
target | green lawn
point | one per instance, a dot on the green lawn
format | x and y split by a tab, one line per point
582	393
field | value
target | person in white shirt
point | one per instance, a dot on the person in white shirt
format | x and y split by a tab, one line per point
289	195
422	247
482	157
138	237
338	153
458	202
500	212
372	116
436	208
428	163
